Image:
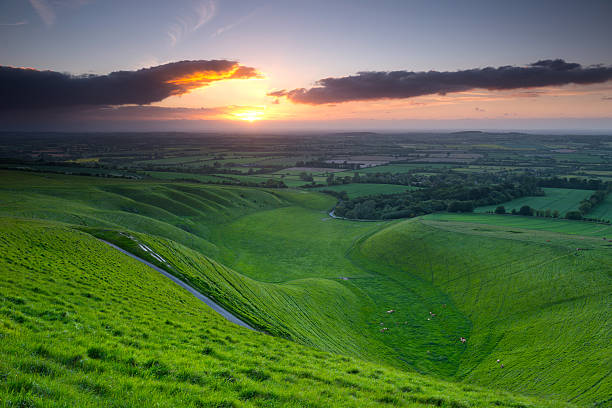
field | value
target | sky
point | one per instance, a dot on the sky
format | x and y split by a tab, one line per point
342	65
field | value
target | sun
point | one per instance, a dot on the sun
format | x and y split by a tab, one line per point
249	115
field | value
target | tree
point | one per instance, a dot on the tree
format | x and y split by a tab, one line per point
573	215
500	210
525	210
461	206
306	177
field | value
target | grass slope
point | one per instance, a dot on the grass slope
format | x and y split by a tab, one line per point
603	210
533	301
571	227
83	325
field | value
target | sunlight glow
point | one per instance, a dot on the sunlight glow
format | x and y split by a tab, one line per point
202	78
249	115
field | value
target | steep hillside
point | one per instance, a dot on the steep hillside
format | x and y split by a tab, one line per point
82	324
537	301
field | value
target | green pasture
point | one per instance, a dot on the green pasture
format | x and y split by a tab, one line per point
396	168
603	211
560	199
364	189
562	226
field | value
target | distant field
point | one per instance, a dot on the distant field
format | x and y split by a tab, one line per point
533	223
177	160
364	189
561	199
603	210
166	175
73	170
396	168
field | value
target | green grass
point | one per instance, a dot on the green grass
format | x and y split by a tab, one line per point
561	199
365	189
534	302
83	325
204	178
277	259
396	168
582	228
603	210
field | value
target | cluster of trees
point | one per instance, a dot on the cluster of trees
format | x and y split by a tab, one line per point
575	183
527	210
322	163
455	197
405	179
270	183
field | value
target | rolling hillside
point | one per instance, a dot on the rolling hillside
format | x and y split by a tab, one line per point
275	258
82	323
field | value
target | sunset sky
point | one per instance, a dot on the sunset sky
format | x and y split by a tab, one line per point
225	64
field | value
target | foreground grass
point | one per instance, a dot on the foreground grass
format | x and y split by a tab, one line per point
83	325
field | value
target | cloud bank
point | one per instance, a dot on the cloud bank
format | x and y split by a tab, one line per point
26	88
407	84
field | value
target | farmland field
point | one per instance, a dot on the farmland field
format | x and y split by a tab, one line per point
365	189
560	199
604	210
562	226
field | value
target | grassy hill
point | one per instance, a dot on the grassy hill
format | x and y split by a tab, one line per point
278	260
534	301
83	325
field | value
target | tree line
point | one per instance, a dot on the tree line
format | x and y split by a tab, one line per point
455	195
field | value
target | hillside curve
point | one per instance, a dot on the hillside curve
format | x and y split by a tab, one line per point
213	305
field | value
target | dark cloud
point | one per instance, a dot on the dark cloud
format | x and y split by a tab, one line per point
25	88
407	84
